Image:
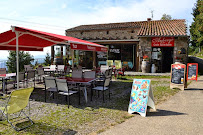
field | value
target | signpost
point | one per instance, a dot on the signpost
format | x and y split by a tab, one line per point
192	71
141	97
177	76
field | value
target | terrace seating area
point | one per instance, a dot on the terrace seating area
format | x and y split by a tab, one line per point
60	80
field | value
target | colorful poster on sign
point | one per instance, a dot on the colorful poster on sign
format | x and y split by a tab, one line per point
139	96
162	41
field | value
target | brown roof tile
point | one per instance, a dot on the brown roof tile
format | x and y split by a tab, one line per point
163	28
175	27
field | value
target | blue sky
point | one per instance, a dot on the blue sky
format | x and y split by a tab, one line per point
57	15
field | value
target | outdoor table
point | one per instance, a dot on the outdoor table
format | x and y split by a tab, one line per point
4	77
79	81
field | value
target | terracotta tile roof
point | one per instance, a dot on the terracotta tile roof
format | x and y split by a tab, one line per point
163	28
147	28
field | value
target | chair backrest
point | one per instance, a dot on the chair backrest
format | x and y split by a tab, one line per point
50	82
18	100
53	67
89	74
21	76
61	85
60	67
67	70
30	74
107	82
103	68
110	72
40	71
79	68
2	70
27	67
118	64
106	74
77	74
109	63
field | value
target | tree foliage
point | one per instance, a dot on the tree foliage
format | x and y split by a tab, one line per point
166	17
47	60
196	29
24	59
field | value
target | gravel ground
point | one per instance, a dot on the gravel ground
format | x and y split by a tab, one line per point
93	117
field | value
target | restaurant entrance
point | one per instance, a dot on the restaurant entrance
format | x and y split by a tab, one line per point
162	57
167	59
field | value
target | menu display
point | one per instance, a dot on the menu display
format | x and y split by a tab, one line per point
141	97
192	71
178	73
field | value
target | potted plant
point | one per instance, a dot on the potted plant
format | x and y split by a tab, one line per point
145	64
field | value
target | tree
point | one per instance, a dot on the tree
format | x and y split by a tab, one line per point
196	29
24	59
47	60
166	17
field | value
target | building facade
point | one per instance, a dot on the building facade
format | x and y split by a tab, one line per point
163	42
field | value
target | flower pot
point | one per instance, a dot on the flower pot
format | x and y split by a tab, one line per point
145	66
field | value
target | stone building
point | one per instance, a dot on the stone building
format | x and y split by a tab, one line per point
161	42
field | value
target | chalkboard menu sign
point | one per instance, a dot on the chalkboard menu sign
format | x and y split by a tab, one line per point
177	76
192	71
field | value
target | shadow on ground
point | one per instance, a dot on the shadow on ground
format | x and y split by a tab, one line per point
193	89
159	112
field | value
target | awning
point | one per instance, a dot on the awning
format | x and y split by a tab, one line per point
33	40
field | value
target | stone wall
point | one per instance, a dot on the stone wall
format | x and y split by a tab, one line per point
144	49
112	34
181	49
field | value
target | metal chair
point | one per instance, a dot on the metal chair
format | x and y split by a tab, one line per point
104	87
27	68
40	73
77	74
67	70
103	68
79	68
63	89
50	86
89	74
17	102
30	77
21	79
60	69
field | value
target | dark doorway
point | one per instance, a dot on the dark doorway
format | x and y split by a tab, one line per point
167	59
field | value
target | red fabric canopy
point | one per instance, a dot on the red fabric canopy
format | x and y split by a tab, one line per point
33	40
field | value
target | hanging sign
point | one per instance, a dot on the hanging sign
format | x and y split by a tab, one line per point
177	76
162	41
141	97
192	71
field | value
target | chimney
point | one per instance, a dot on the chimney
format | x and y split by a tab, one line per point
149	19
